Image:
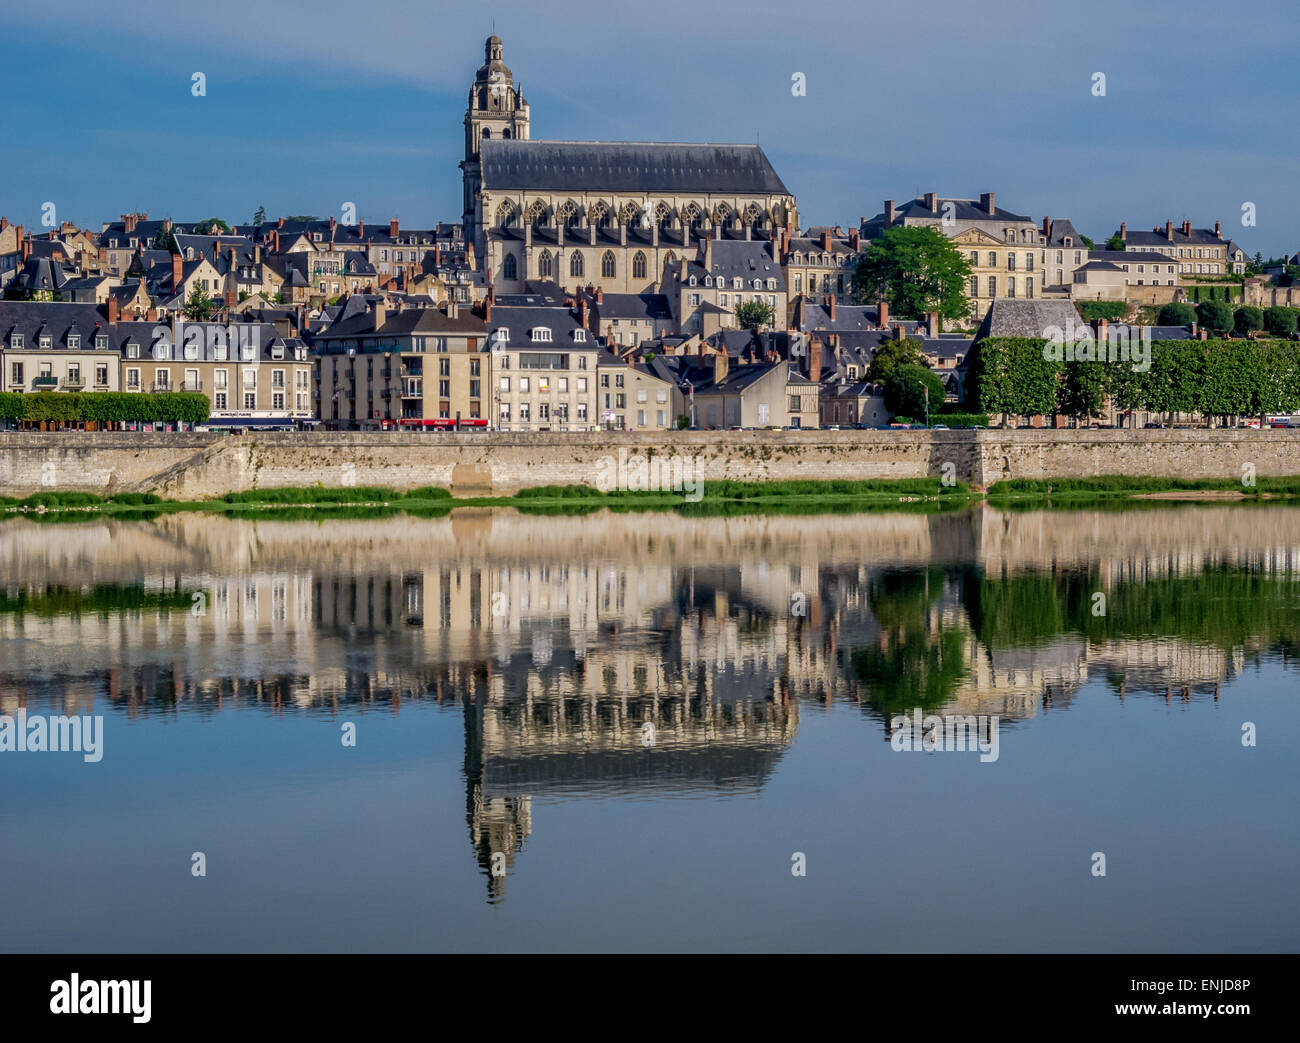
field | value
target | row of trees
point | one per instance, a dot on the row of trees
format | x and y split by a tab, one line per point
104	407
1220	317
1212	378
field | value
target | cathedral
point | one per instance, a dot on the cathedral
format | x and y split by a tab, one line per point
611	214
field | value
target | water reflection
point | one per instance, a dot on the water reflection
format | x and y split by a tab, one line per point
640	654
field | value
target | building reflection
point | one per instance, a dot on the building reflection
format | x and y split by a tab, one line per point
638	654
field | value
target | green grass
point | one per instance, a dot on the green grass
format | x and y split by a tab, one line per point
1124	484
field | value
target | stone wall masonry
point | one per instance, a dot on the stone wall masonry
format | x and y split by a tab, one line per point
199	466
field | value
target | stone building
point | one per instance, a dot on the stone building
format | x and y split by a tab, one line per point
616	215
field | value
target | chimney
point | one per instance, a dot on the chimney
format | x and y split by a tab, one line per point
932	320
1100	327
932	202
582	310
1047	228
1169	231
721	364
1218	230
331	227
394	229
232	298
178	273
26	249
830	307
898	333
986	203
826	242
381	313
151	315
1187	227
4	223
889	212
361	229
854	240
600	295
1123	231
708	256
883	309
815	360
275	240
281	223
453	309
112	309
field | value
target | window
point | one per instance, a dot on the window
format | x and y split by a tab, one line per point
618	380
133	379
220	378
638	265
564	385
974	286
277	400
1011	262
794	403
1011	286
642	395
523	412
640	418
101	374
604	380
694	300
444	367
993	286
505	412
582	385
582	411
219	400
580	335
545	265
575	269
524	384
542	333
277	378
607	265
16	374
510	269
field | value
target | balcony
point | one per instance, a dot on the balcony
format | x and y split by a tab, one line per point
162	387
44	383
72	384
192	385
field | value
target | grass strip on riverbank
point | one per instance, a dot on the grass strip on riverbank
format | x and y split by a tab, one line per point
1134	487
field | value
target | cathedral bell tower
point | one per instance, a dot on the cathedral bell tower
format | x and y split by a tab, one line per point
496	110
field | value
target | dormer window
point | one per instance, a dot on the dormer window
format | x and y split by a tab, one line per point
44	341
542	333
771	284
692	280
74	341
189	253
15	340
1069	241
101	341
580	336
501	336
132	350
737	283
277	351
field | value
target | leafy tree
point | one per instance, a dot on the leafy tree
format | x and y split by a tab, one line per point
1115	242
259	216
165	239
753	314
1014	376
1084	389
1176	314
905	391
212	226
1247	320
1215	316
918	270
890	356
1280	322
199	306
1087	242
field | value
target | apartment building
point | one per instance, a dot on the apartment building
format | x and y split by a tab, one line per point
415	368
544	369
634	398
53	346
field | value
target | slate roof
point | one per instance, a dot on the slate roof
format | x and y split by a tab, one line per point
962	210
1126	256
1009	317
57	319
627	166
521	321
747	259
632	306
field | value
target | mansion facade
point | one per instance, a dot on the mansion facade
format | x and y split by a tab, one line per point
615	215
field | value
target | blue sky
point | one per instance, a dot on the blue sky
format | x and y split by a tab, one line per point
312	105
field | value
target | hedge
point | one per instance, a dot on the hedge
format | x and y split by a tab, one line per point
104	407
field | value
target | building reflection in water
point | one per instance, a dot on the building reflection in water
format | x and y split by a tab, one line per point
639	654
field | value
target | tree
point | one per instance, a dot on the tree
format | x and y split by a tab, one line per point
1176	314
165	239
1115	242
918	270
211	226
905	391
1083	390
1087	242
1247	320
259	216
1014	376
199	305
304	218
1214	315
1280	322
890	356
753	314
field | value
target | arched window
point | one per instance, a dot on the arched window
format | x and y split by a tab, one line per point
506	133
638	265
487	132
575	265
510	269
545	266
607	265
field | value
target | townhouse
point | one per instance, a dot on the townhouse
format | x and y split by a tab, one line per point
723	274
633	397
544	368
421	368
1197	251
52	346
822	262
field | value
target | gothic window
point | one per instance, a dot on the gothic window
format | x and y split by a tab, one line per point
575	265
545	267
510	269
607	265
638	265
